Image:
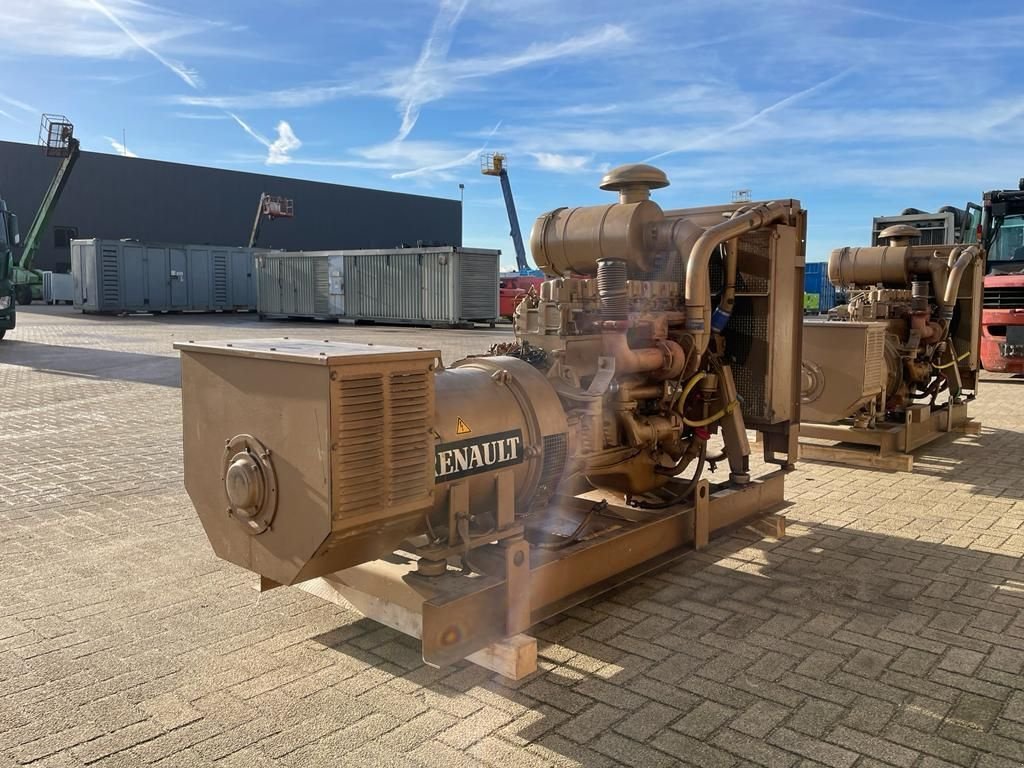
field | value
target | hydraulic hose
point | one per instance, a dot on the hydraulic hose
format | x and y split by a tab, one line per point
721	316
693	382
951	363
681	399
712	419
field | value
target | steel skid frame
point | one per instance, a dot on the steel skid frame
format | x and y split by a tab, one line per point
890	444
536	569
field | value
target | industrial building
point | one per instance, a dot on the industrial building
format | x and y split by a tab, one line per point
114	197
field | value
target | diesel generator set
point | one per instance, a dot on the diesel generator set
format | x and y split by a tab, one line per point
896	365
493	492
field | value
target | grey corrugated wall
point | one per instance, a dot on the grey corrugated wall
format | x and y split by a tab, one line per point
109	196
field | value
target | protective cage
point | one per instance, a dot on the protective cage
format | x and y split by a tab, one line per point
55	135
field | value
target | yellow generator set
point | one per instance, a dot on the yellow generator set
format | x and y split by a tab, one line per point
894	367
484	496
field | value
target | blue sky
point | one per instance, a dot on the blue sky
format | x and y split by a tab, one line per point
857	108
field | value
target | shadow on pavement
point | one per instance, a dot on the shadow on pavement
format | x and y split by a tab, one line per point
988	463
92	363
830	641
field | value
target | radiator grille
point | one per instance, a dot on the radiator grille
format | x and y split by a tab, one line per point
747	339
747	344
1004	297
109	284
556	453
754	253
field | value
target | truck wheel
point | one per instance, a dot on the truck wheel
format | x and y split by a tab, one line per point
23	294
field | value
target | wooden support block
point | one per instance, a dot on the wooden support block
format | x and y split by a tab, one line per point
872	459
918	413
969	427
514	657
770	526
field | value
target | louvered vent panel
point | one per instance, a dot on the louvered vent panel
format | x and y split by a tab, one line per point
479	286
220	278
409	435
358	453
322	287
109	278
383	448
874	353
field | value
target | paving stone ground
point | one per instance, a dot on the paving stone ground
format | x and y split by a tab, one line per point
885	629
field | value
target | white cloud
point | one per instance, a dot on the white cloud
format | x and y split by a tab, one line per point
286	141
466	159
300	96
249	129
420	86
433	76
743	124
188	75
550	161
442	165
596	40
278	150
202	116
19	104
103	29
120	148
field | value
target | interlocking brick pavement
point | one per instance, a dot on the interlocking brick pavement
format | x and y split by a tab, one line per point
885	629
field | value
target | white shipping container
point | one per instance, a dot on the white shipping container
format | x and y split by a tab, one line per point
438	286
58	288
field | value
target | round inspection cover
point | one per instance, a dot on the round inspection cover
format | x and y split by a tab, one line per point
812	382
250	483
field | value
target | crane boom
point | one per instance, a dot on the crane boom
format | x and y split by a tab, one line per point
493	164
255	233
513	222
48	204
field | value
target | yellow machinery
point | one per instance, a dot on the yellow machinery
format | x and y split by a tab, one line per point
895	367
487	495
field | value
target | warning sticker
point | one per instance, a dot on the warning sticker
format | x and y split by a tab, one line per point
462	428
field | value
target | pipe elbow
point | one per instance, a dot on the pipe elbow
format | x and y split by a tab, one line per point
697	285
964	259
663	361
704	247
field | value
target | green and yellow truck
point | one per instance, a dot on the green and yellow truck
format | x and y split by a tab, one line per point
8	239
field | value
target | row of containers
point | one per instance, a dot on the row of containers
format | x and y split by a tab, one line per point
819	294
441	286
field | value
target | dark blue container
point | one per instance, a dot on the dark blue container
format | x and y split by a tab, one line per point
819	293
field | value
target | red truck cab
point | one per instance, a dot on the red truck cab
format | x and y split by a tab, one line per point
1001	230
513	288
